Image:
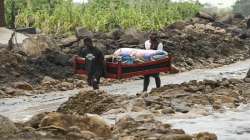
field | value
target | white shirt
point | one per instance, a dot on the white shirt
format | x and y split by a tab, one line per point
148	45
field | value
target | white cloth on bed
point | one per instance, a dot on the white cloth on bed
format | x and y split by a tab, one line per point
144	55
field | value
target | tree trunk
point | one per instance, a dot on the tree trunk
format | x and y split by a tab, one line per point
2	19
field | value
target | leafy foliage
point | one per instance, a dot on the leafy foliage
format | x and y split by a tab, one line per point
60	16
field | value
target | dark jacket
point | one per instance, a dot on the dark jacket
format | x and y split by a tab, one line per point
94	60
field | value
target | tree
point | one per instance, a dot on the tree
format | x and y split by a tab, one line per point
243	7
2	19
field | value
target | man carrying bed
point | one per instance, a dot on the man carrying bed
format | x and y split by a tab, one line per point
95	63
152	44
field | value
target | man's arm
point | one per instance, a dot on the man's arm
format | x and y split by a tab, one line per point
82	52
160	47
147	45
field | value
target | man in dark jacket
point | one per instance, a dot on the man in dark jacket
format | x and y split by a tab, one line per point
94	63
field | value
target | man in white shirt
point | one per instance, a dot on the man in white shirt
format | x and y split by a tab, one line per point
148	46
152	44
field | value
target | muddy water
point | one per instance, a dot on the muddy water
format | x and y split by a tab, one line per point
22	108
231	125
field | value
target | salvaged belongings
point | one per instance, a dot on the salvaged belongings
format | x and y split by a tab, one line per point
131	55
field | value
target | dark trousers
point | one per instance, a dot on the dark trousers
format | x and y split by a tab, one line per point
94	80
147	81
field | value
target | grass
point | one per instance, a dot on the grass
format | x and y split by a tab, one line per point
59	17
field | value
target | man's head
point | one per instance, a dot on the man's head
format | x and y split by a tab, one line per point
88	42
153	36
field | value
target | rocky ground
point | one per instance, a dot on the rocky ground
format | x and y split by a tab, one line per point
201	42
169	99
57	126
204	41
72	121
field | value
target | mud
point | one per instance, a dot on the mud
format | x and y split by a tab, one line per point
194	101
15	66
195	43
27	106
55	126
170	99
91	102
211	98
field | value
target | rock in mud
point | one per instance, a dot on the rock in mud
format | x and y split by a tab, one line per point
176	137
82	32
10	90
32	70
35	120
7	127
56	126
248	74
179	106
117	33
95	102
167	111
51	63
131	129
48	80
229	93
35	46
205	136
2	93
65	123
205	16
129	39
22	85
125	123
67	42
247	80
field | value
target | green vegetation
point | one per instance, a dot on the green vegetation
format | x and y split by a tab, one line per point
61	16
242	6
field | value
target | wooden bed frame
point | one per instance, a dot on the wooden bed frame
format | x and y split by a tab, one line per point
118	70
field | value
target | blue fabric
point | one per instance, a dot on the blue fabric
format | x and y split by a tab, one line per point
127	59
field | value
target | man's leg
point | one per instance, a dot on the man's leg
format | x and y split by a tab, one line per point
157	80
89	80
96	81
146	83
95	84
